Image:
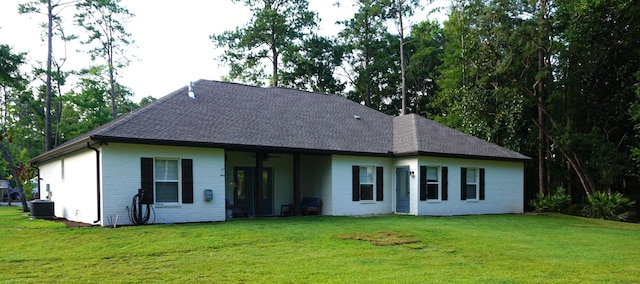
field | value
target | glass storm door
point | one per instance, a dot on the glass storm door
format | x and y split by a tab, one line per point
246	192
402	190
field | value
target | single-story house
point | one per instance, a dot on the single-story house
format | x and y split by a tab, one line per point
213	143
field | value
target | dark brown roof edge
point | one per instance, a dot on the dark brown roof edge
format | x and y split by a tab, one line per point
232	147
472	157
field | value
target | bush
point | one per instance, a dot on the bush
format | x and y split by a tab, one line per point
557	201
609	207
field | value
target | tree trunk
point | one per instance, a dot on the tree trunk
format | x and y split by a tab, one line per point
402	67
367	61
112	80
47	116
58	114
274	52
542	97
5	109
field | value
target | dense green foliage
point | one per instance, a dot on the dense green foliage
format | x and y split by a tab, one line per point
552	79
276	32
383	249
555	80
103	21
609	206
556	201
41	109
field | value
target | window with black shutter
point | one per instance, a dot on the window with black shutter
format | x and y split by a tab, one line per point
445	183
187	181
481	194
367	183
434	182
379	184
423	182
166	181
355	183
472	184
146	181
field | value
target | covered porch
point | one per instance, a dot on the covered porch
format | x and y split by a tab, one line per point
260	183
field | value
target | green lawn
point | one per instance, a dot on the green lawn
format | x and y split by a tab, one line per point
381	249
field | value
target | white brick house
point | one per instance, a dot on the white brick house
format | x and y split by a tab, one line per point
192	154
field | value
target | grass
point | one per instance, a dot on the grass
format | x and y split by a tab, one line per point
384	249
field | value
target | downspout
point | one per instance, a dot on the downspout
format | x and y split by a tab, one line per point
97	179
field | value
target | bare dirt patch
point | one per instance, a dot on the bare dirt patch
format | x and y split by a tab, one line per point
383	238
71	224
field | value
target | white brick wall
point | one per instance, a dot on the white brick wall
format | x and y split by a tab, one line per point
341	190
327	177
504	187
121	180
74	196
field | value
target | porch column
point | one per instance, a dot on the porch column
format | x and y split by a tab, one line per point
259	183
295	211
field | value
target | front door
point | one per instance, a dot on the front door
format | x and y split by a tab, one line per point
402	190
246	192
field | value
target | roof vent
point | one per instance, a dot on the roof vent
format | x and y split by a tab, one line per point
356	117
191	93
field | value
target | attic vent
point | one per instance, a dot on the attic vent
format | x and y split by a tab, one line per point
191	93
356	117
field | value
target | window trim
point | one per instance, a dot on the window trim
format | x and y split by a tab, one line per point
443	183
438	182
178	182
476	184
372	184
377	184
479	183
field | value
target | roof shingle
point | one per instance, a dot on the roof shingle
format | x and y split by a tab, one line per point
279	118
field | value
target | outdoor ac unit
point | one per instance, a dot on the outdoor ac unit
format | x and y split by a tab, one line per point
42	209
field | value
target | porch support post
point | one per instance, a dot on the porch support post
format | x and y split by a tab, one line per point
259	183
295	211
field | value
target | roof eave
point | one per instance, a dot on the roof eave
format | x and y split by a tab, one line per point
463	156
63	150
235	147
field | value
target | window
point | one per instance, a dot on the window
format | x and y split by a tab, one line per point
166	181
366	183
367	180
433	183
472	184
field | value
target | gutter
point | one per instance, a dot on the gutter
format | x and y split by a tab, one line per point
97	180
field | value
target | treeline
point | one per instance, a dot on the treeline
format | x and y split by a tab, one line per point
554	80
52	104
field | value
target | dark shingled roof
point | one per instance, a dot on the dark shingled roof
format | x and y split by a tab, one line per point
415	134
236	116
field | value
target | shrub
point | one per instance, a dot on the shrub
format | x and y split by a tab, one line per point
609	206
556	201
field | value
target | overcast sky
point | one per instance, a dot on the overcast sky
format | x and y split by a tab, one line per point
172	45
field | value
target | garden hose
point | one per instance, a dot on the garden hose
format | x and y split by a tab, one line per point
138	213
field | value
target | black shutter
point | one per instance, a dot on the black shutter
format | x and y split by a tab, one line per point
379	184
146	180
423	182
187	181
481	184
463	183
355	183
445	183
